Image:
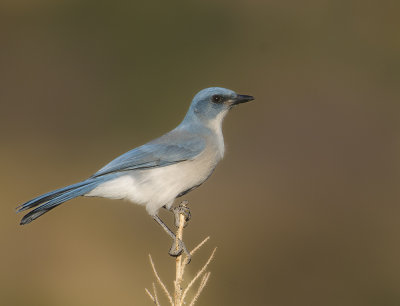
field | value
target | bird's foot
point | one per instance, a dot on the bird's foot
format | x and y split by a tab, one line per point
182	209
177	248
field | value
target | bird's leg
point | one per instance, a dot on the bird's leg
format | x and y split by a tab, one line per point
181	209
175	250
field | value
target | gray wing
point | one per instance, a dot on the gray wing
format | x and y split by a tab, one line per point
174	147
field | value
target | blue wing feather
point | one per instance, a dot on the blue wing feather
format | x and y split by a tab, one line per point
173	147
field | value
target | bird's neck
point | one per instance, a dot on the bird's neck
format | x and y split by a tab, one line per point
211	127
198	124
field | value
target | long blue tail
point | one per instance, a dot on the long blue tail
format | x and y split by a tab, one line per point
54	198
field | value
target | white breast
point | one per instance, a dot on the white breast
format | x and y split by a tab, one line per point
157	187
215	125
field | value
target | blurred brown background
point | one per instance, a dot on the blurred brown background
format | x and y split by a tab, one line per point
305	206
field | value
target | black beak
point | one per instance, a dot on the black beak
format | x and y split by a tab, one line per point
242	99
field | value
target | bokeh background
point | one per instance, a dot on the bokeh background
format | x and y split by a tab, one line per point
305	206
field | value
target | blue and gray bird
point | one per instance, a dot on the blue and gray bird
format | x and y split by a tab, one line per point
157	173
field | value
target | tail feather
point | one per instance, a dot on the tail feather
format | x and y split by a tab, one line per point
53	199
48	196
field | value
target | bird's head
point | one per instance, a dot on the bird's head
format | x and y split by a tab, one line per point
210	105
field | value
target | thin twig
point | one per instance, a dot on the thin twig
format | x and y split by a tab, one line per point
185	262
198	274
199	246
203	283
149	294
160	281
155	295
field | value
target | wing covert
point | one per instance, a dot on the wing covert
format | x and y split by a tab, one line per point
169	149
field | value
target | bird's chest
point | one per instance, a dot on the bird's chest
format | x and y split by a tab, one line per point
219	144
183	176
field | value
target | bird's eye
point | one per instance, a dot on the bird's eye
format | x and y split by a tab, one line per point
217	98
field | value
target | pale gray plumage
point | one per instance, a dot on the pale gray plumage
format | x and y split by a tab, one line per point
158	172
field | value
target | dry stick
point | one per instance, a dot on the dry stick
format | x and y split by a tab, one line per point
178	262
199	274
185	262
149	294
155	295
179	293
160	281
201	287
199	246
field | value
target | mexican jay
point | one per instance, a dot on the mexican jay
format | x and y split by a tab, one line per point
157	173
